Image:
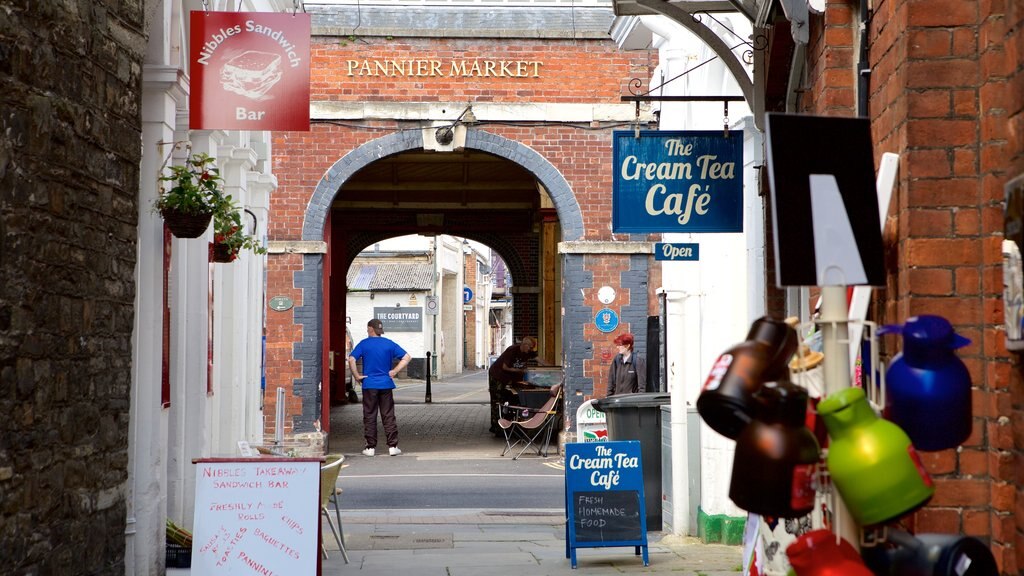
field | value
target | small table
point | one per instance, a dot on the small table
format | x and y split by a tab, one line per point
534	397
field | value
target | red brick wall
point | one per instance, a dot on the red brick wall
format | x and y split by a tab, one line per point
947	94
582	156
281	367
572	71
1001	103
607	271
831	57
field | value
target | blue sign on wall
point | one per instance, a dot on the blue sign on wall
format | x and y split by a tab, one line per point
606	320
666	251
604	497
677	181
467	295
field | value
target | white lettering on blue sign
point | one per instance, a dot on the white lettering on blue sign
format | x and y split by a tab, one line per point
605	467
667	251
690	177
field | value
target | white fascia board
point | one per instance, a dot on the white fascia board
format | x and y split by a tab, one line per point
629	33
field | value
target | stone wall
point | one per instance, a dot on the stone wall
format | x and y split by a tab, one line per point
70	77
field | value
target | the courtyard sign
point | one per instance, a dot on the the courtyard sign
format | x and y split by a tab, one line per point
677	182
409	319
422	67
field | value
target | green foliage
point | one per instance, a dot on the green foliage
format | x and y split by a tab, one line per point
228	230
195	187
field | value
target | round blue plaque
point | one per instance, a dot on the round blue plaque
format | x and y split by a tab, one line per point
606	320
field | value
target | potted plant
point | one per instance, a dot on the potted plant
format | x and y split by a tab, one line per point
229	235
193	196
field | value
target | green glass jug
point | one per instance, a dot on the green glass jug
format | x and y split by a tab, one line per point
872	461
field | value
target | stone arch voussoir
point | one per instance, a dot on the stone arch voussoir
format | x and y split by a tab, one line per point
566	206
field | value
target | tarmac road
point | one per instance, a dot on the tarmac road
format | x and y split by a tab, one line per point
449	460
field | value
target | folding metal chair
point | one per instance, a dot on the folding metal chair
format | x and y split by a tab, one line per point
329	493
530	426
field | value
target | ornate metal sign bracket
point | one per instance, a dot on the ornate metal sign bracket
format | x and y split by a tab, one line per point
645	97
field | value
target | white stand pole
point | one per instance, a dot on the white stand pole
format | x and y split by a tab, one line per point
835	345
279	419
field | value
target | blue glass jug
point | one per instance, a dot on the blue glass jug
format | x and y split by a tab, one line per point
928	387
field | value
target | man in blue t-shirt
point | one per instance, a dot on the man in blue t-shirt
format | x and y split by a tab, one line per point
378	355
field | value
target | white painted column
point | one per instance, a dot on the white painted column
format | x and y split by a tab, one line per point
189	298
232	390
260	188
682	362
147	472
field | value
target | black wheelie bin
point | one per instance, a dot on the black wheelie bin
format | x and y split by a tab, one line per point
638	417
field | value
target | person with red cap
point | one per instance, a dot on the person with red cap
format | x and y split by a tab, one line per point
628	372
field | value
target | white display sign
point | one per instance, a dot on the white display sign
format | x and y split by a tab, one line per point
591	423
256	516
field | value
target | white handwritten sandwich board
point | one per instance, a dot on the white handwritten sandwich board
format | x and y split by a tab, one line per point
604	497
256	516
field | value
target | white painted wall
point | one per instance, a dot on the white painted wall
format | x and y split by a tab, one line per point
442	334
711	302
163	440
482	305
360	308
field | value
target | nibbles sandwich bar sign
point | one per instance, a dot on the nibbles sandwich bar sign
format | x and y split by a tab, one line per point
249	71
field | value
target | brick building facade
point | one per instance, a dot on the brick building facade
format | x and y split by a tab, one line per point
545	92
944	90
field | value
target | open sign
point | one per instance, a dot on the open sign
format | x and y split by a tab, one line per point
666	251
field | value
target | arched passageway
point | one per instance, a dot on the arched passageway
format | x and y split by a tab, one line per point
495	191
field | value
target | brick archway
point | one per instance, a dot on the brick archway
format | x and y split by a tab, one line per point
561	194
309	280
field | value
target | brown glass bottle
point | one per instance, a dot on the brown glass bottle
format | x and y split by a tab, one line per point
776	455
726	401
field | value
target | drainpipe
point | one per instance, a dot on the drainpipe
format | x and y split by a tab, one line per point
681	305
794	83
863	66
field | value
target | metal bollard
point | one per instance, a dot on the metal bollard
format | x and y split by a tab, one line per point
426	399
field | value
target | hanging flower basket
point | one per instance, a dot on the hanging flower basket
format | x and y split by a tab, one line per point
185	225
191	196
222	253
229	236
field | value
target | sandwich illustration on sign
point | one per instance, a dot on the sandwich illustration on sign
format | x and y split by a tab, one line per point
251	74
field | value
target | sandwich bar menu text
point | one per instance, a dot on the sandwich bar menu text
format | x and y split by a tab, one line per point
256	516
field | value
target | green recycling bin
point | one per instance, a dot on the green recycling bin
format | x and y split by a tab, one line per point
638	417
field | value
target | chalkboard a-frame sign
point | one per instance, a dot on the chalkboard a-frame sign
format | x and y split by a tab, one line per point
256	516
604	497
